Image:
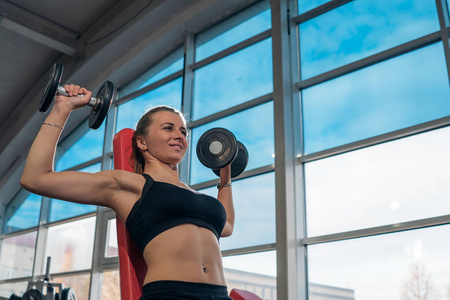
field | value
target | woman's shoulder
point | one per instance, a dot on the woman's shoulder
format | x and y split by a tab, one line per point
125	180
127	188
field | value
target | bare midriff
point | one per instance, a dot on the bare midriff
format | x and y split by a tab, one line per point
184	253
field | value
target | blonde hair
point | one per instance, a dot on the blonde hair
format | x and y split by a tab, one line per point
142	126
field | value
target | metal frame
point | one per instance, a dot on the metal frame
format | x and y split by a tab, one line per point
291	283
392	228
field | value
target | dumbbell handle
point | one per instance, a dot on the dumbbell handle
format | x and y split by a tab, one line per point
62	91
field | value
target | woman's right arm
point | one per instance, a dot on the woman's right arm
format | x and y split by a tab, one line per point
39	176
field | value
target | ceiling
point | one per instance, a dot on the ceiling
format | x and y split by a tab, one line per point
96	41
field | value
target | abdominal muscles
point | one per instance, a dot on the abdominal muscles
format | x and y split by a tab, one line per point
184	253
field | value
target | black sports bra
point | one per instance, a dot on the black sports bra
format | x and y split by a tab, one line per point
164	205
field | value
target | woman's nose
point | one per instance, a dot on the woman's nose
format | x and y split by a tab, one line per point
179	135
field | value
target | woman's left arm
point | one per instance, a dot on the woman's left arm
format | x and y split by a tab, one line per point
225	196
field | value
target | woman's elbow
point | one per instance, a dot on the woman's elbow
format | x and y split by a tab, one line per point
227	230
25	182
30	183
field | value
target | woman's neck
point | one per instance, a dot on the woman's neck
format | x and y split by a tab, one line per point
162	172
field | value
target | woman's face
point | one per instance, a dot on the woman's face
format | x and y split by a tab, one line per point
166	138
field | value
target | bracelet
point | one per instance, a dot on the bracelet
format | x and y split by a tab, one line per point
220	185
54	125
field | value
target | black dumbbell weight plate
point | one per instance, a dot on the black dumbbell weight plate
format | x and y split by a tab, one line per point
33	295
15	297
54	77
68	294
239	163
104	98
217	148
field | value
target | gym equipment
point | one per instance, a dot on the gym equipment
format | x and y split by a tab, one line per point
218	147
35	290
132	264
100	103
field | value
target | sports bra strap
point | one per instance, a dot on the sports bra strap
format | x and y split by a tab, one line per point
148	183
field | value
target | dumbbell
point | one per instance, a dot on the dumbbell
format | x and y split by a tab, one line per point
100	104
33	294
218	148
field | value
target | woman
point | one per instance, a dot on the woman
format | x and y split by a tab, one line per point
176	228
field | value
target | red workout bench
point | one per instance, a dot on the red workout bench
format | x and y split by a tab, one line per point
132	265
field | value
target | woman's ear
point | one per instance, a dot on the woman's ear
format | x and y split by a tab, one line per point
141	143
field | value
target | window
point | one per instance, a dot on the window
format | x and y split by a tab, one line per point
129	113
237	78
17	256
62	209
306	5
254	204
18	288
402	263
81	146
111	285
254	272
111	249
362	28
401	92
70	245
234	32
390	183
173	63
79	283
22	212
252	127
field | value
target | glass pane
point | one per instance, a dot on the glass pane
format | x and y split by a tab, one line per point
254	272
254	204
18	288
235	79
176	66
23	211
129	113
392	95
252	127
173	63
384	266
70	246
79	283
88	147
251	27
17	256
62	209
362	28
391	183
111	285
306	5
112	248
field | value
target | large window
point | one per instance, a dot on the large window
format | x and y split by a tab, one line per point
397	93
22	212
375	101
362	28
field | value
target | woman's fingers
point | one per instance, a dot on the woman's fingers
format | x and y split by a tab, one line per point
78	96
72	89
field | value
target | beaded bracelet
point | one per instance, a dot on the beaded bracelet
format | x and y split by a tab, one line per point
54	125
220	185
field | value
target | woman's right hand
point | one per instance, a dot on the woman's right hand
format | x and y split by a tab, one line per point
73	101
